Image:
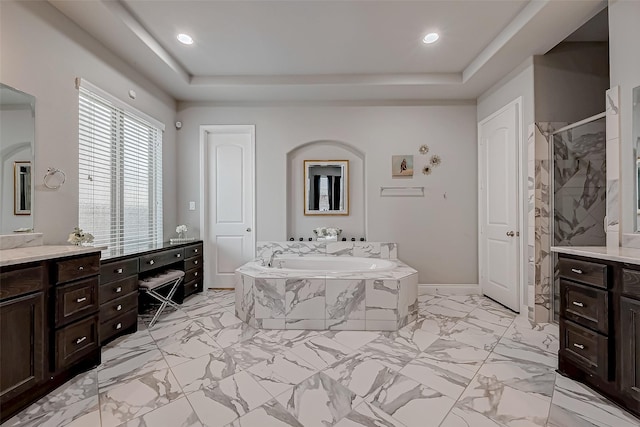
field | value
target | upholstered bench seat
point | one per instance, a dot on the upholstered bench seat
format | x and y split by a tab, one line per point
165	278
160	279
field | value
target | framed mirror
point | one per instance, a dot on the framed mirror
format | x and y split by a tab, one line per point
22	188
326	187
636	151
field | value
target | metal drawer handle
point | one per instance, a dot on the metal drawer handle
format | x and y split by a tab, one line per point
81	268
577	271
195	286
196	274
119	326
195	251
579	304
79	340
177	255
118	289
152	262
119	271
119	307
81	299
580	346
195	262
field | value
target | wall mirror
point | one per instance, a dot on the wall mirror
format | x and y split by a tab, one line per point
17	143
326	187
636	151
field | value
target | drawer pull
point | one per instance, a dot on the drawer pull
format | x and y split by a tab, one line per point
119	271
195	251
177	255
152	262
118	307
119	326
195	286
79	340
81	268
576	270
579	304
195	274
118	289
195	262
580	346
83	299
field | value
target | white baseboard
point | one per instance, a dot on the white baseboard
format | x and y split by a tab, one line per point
449	289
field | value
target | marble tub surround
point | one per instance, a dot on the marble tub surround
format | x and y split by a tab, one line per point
20	240
39	253
619	254
435	372
357	249
278	299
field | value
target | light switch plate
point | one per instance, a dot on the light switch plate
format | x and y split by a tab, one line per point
192	206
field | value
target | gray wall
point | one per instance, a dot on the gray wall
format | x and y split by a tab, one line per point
436	235
42	54
624	39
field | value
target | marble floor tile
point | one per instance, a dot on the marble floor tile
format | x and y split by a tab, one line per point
447	378
413	335
410	402
223	298
321	351
359	374
458	306
352	339
205	371
137	397
447	311
525	352
391	354
367	415
484	336
469	300
290	338
542	336
253	351
492	316
178	413
560	417
82	413
271	414
191	346
233	334
282	373
230	399
216	319
434	323
319	401
462	416
129	365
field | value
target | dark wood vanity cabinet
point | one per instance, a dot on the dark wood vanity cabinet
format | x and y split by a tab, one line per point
600	326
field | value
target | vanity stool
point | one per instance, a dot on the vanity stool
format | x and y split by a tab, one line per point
166	278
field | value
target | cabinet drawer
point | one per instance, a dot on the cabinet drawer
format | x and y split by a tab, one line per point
192	263
20	281
192	287
585	305
114	326
117	270
193	251
118	306
631	282
77	268
76	300
192	275
586	348
590	273
75	341
118	289
160	259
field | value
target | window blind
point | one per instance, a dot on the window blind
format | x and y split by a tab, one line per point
120	173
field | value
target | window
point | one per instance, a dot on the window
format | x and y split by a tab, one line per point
120	172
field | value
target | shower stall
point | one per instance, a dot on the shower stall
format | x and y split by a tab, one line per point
578	201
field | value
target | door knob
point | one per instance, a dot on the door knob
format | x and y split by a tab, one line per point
511	233
248	229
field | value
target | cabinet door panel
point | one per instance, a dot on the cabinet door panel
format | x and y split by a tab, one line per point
22	350
630	347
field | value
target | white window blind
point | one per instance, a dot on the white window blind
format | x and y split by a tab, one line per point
120	168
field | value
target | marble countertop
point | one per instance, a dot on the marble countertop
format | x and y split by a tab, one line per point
39	253
628	255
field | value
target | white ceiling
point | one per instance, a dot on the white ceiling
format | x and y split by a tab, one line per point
328	50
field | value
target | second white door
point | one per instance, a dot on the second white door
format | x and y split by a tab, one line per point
227	197
498	206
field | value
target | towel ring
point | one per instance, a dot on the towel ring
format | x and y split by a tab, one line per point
52	172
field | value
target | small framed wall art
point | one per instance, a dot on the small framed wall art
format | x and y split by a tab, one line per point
402	166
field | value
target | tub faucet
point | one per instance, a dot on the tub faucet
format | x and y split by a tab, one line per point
273	255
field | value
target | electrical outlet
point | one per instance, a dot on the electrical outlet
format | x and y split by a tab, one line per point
192	206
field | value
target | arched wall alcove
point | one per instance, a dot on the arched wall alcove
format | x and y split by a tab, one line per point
301	225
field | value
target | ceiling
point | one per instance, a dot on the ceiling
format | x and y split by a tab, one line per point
346	50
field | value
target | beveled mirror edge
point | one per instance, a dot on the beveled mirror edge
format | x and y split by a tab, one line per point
305	199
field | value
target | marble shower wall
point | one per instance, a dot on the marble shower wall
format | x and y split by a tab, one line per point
613	167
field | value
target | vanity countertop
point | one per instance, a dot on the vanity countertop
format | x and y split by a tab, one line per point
628	255
39	253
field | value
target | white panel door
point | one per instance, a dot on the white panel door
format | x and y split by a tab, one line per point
227	217
498	206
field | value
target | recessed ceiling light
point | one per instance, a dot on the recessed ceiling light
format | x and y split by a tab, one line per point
430	38
185	38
